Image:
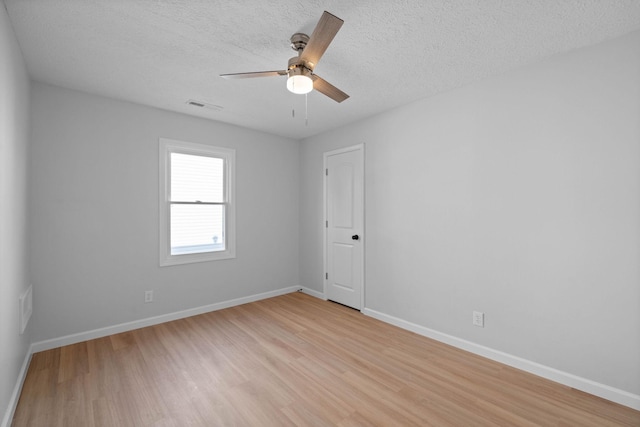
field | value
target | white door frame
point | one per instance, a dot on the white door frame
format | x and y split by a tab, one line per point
325	157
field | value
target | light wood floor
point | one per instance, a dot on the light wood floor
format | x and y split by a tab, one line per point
293	360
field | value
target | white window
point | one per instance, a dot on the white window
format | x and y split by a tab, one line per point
197	208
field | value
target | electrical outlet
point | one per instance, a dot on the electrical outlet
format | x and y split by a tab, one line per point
148	296
478	318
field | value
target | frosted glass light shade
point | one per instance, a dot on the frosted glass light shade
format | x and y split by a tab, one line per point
300	84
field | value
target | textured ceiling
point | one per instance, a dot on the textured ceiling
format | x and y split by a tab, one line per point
388	53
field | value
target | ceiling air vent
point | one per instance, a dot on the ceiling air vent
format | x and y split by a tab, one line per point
201	104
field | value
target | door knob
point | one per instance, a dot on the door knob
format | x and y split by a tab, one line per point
355	237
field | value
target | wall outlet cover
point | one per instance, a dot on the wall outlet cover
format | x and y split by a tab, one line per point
478	318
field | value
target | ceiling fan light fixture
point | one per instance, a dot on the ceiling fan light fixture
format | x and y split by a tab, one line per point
299	84
299	81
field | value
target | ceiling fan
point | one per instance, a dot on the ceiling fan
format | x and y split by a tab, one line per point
301	78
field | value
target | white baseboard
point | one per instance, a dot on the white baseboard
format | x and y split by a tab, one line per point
15	396
601	390
313	293
150	321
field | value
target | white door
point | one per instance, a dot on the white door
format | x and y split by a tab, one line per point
344	224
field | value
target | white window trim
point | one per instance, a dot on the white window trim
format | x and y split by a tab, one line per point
167	146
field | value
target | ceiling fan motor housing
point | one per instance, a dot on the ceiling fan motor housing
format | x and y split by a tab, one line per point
297	67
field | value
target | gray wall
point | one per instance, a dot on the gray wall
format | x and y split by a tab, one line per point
518	196
14	139
94	213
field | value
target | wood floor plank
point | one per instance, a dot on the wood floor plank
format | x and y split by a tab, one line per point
293	360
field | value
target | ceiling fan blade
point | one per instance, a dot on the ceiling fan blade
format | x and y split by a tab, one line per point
326	88
322	35
255	74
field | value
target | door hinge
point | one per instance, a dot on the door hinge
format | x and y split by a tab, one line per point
326	224
326	172
326	276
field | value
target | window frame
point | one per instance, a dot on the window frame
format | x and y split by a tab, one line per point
168	146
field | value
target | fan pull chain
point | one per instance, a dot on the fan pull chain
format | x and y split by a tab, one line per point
306	111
